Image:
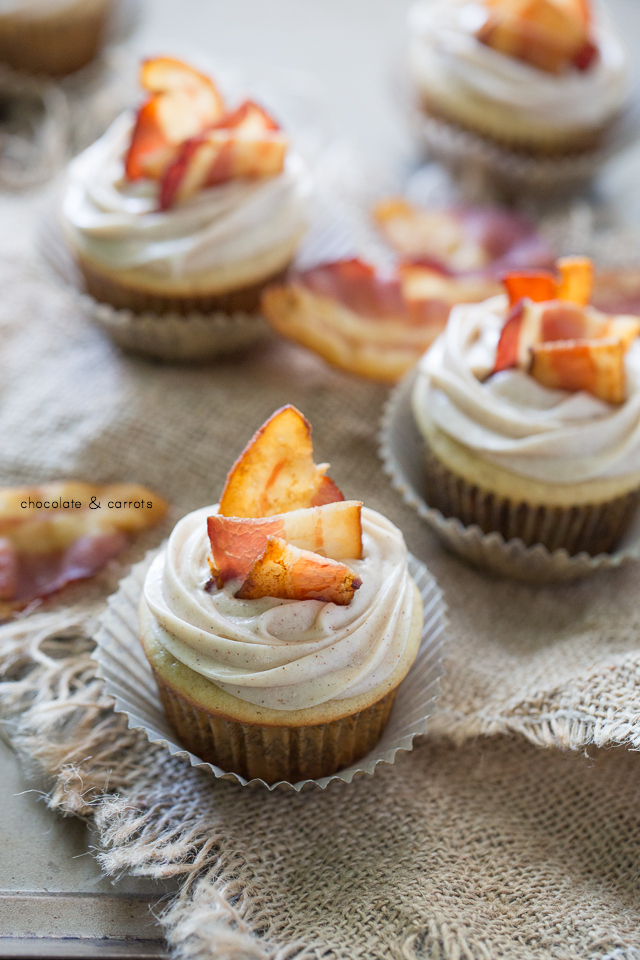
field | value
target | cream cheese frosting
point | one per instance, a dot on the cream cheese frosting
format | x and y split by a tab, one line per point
116	223
283	654
511	420
446	58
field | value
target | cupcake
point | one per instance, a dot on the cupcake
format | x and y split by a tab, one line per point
187	205
280	622
529	407
544	77
52	37
378	321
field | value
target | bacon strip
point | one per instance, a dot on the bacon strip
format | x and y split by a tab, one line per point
42	549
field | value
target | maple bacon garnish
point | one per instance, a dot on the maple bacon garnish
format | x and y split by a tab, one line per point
283	527
552	333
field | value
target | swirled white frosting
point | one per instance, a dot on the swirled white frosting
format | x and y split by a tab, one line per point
283	654
445	52
117	224
513	421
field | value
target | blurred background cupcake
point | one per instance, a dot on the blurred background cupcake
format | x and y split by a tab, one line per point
547	76
537	78
52	37
529	408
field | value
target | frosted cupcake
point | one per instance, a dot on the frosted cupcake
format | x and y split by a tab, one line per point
540	76
187	205
529	405
280	622
52	37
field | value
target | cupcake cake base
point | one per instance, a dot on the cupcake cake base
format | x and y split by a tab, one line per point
55	43
272	745
592	527
106	290
129	679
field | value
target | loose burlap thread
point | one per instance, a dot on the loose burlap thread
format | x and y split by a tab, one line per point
475	845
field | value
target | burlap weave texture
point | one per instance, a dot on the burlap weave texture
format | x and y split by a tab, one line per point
472	848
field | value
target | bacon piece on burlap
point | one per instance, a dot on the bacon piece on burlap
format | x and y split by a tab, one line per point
44	548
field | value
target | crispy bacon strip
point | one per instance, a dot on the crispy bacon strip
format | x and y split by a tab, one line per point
183	102
246	143
536	285
333	530
276	472
464	241
288	573
576	280
550	35
596	366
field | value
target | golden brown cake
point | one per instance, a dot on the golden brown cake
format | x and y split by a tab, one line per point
52	37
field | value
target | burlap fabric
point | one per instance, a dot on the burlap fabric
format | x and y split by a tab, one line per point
474	845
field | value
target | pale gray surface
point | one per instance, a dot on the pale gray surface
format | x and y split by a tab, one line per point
49	881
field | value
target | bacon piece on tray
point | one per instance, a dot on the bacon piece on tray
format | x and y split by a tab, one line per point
377	324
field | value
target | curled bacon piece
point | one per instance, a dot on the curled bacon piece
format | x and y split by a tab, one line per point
333	530
369	324
462	241
289	573
183	102
562	341
276	472
378	324
246	143
573	285
548	34
596	366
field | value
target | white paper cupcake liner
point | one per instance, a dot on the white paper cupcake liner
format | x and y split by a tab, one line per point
486	168
34	134
128	678
170	336
401	448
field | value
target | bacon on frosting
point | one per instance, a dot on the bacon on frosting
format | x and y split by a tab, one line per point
333	530
50	536
562	341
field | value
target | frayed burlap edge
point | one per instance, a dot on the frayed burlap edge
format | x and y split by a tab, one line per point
64	729
154	814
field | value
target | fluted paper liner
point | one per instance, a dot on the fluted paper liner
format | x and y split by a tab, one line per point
481	162
130	681
402	452
168	336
